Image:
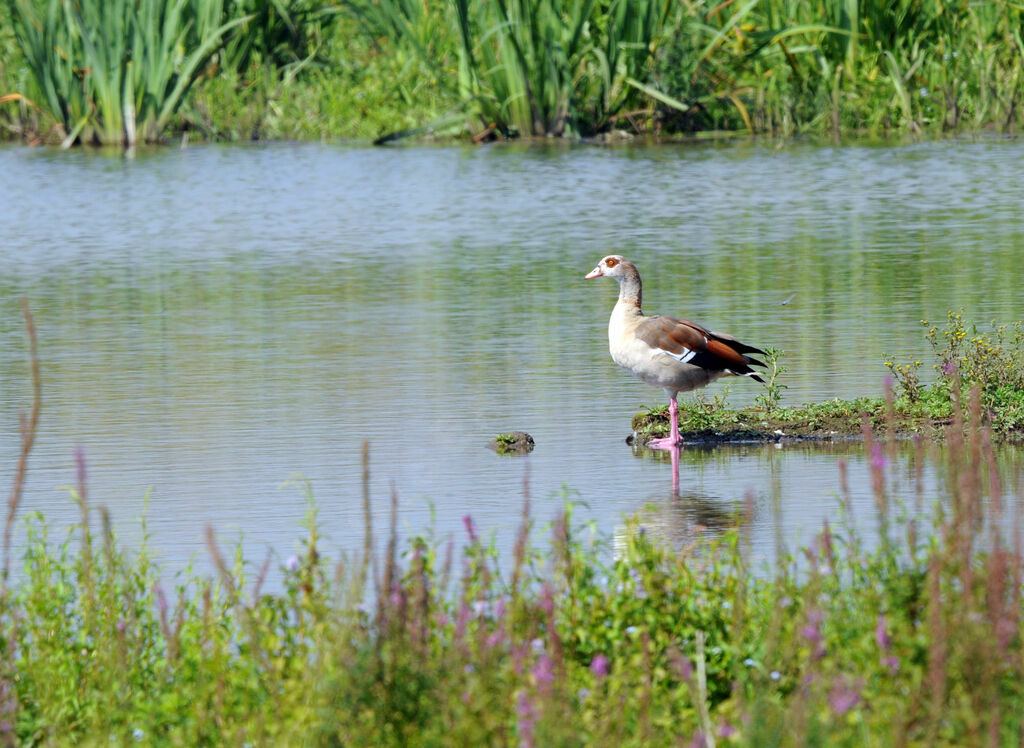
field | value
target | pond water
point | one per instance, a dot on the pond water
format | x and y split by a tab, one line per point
216	321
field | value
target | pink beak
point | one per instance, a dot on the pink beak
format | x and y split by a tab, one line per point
595	273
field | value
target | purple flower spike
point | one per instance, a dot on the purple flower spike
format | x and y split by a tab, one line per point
80	465
811	633
544	670
547	599
878	458
461	621
599	665
882	638
842	698
470	528
526	717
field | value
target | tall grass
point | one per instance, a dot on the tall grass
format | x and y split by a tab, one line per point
285	35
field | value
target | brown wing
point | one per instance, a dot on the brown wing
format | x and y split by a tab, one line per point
672	335
693	344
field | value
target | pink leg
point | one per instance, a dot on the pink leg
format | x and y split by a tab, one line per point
675	471
673	439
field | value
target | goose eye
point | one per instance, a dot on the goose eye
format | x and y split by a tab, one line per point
611	262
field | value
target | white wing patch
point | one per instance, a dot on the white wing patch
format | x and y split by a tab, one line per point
685	355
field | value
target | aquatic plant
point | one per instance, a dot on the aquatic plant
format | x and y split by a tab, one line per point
967	356
351	88
541	67
282	35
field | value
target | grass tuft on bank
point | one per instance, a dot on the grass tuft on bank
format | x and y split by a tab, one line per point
969	362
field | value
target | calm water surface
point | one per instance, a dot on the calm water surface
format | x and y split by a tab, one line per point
217	321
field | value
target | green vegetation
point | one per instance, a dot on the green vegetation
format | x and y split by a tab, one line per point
990	365
913	639
315	69
512	443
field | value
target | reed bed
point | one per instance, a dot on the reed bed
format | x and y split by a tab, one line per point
82	71
911	637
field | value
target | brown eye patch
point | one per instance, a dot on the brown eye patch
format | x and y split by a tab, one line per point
611	262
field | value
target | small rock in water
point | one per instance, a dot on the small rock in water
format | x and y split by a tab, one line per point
512	443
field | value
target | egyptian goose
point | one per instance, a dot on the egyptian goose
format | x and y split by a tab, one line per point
673	354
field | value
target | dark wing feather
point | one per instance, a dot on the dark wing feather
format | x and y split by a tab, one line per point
735	344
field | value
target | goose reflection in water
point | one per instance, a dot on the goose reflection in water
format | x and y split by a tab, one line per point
680	517
684	518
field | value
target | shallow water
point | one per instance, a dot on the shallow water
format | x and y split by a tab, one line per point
216	321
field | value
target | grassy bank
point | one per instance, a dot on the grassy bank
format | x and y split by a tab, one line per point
978	376
149	69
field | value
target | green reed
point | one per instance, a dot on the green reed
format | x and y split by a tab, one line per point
114	72
542	67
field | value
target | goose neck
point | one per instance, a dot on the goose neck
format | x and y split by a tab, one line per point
631	289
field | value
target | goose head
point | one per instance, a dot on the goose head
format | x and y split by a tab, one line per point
612	266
